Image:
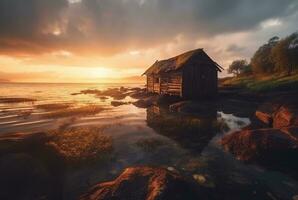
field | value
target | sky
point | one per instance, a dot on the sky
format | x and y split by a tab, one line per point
117	40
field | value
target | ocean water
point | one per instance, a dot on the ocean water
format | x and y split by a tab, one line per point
153	137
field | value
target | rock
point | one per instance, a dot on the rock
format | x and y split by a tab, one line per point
264	117
16	100
140	93
179	106
89	91
287	115
123	89
265	113
146	183
75	93
260	145
119	103
103	98
292	131
145	103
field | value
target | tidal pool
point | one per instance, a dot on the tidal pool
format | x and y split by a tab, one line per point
66	161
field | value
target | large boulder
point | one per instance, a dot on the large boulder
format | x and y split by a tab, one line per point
265	112
263	145
287	115
145	183
292	131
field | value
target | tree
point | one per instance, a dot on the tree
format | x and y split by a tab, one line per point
261	61
285	54
293	52
237	67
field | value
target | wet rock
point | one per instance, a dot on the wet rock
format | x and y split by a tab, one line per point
287	115
265	113
161	100
114	92
16	100
53	106
292	131
204	180
145	103
123	89
137	89
119	103
89	91
146	183
103	98
75	93
140	93
261	145
119	96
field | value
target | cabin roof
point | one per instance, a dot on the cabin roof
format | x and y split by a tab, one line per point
180	61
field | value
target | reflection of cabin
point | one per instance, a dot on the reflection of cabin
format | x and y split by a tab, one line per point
190	75
191	132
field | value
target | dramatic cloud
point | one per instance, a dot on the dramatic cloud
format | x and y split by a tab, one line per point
108	27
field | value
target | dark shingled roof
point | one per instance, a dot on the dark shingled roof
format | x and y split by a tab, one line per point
197	56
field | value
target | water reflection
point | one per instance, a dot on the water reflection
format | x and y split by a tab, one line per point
191	132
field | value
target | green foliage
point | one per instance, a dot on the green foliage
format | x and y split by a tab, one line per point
276	56
261	61
265	83
285	54
237	67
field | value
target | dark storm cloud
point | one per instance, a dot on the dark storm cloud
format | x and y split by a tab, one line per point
234	48
22	23
112	25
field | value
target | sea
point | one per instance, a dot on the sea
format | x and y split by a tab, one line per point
140	137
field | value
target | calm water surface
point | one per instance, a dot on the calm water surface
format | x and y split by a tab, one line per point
150	136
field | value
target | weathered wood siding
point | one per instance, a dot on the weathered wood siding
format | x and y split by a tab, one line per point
150	84
170	83
196	81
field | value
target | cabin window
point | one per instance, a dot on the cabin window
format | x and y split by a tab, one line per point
156	80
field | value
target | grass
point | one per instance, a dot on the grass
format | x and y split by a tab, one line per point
264	83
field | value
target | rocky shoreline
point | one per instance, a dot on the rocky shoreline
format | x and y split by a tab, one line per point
270	140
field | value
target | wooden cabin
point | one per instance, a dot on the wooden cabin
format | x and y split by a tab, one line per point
191	75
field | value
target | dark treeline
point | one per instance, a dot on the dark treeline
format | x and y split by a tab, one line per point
276	56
